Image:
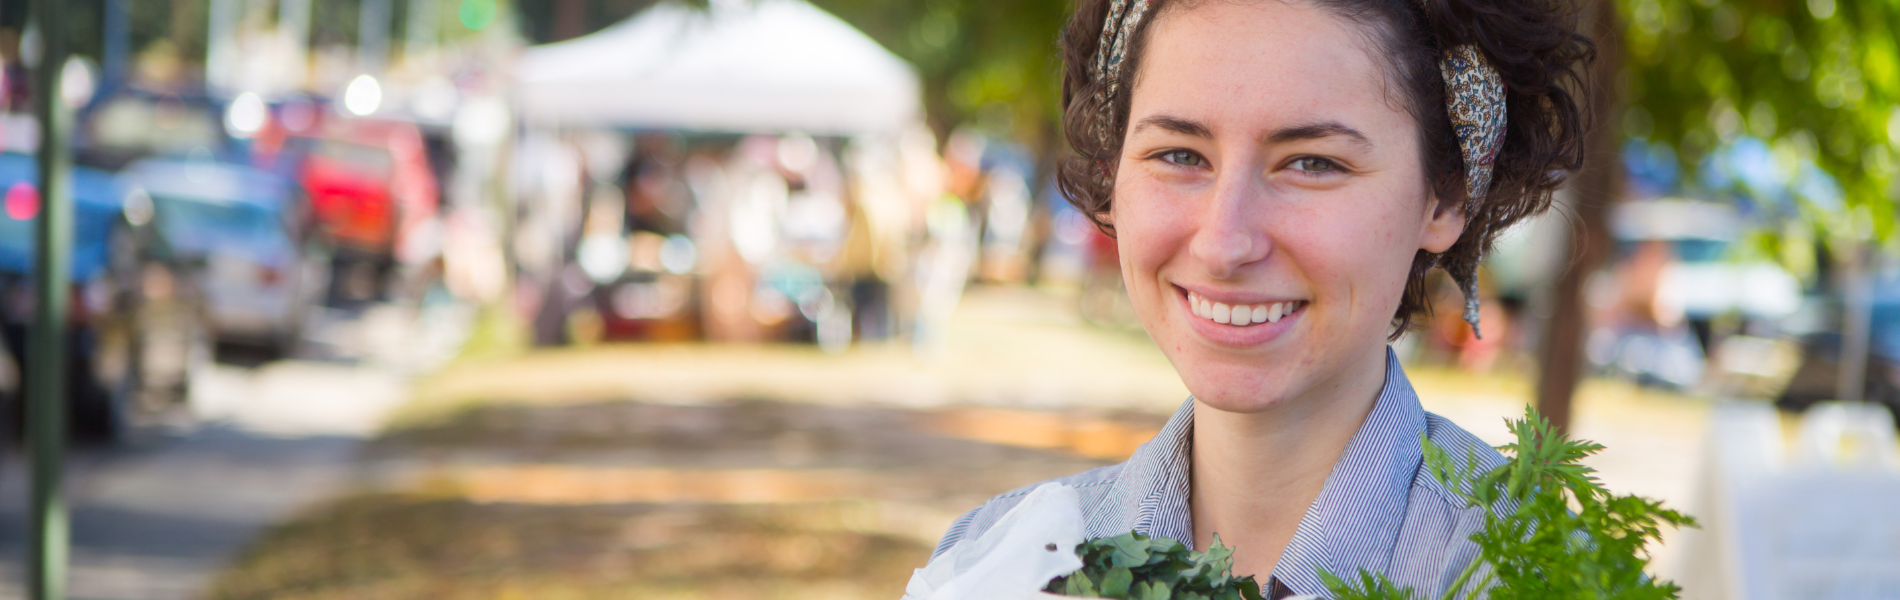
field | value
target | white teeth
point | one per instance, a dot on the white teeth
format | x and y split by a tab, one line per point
1240	316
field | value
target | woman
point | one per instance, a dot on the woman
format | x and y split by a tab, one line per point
1280	175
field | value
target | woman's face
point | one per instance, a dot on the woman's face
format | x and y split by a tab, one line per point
1269	201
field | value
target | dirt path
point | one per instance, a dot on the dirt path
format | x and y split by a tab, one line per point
669	469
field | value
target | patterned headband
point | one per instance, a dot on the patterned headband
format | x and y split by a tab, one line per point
1474	95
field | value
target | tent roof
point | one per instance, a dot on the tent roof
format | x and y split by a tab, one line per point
739	66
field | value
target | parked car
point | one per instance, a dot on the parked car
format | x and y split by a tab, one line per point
234	228
1673	278
1817	378
132	343
371	190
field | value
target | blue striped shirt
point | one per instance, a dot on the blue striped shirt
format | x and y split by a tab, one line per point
1380	510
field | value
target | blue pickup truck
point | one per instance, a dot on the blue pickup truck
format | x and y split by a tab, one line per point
131	334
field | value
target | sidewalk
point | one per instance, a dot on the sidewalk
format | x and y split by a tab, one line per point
159	517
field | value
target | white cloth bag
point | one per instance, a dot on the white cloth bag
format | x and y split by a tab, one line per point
1033	543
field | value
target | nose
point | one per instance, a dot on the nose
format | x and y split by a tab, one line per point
1230	234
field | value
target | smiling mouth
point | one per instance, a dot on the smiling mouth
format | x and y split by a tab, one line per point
1243	315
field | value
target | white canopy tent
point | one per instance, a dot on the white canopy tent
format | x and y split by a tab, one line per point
738	66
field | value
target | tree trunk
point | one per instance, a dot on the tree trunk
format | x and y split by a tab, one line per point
1560	359
570	19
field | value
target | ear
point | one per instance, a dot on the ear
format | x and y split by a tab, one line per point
1443	223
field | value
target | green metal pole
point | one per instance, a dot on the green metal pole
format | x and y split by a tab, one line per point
46	354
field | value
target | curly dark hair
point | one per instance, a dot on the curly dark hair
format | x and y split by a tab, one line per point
1534	44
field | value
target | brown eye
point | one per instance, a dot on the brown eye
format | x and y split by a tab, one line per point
1183	158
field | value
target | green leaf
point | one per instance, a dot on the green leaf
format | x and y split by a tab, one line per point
1369	586
1568	536
1079	585
1153	591
1165	545
1116	583
1220	557
1130	551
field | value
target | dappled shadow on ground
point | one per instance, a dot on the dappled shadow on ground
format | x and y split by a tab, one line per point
152	519
415	546
740	499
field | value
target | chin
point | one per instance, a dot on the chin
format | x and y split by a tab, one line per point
1244	389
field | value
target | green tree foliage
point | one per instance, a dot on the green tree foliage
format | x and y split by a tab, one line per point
1818	80
1550	529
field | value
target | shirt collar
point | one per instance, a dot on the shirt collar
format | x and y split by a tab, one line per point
1352	525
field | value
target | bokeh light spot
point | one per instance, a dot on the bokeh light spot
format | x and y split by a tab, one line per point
246	115
23	201
477	14
363	96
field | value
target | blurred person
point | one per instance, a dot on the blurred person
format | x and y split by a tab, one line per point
656	198
1007	206
815	228
552	181
876	249
742	212
1279	177
943	270
637	254
1643	332
953	231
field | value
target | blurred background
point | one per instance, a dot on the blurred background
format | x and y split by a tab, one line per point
751	298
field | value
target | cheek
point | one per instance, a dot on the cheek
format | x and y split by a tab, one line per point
1359	252
1150	226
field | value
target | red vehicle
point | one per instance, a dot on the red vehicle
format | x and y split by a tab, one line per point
370	189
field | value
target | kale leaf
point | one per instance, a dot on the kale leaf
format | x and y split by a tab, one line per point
1134	566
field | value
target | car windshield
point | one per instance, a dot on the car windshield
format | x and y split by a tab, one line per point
154	125
194	224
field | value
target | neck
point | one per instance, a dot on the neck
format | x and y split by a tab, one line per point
1255	474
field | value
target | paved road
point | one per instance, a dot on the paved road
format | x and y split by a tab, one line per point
156	518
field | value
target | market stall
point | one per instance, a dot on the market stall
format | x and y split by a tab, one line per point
753	67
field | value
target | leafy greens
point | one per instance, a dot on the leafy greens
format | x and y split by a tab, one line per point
1550	531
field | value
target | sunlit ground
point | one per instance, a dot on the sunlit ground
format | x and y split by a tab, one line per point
781	472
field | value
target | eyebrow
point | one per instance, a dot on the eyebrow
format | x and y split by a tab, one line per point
1320	130
1306	131
1175	124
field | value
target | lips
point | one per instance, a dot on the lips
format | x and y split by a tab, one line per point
1242	315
